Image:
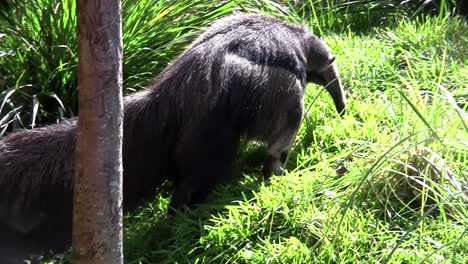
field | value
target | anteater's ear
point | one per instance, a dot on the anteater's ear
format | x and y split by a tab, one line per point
331	60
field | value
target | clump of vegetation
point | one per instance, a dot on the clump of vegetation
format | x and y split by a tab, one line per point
386	183
38	52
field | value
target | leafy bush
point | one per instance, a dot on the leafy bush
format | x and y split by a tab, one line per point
38	52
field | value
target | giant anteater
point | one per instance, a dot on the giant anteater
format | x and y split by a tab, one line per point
243	78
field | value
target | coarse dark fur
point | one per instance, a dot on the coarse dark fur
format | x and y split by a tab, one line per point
244	77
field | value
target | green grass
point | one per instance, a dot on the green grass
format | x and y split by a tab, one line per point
386	183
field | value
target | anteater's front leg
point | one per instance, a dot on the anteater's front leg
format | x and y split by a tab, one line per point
204	157
280	141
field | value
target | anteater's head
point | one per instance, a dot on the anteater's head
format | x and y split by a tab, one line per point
322	69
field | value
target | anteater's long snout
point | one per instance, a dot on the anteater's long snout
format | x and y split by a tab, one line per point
335	88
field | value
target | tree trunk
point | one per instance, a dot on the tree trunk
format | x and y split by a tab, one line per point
97	212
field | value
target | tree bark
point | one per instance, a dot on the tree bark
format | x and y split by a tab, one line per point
97	212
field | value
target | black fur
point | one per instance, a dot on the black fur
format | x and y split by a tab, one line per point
244	77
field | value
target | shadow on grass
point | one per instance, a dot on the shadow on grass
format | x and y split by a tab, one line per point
33	248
